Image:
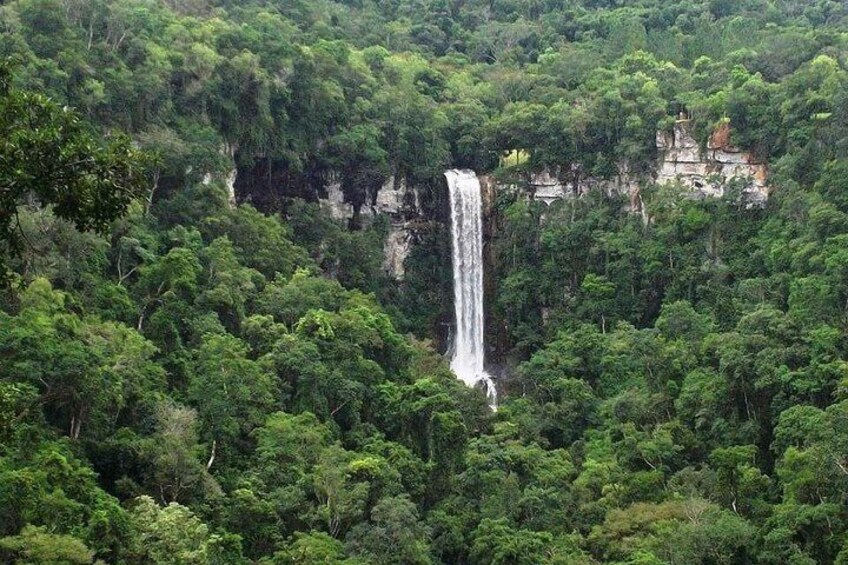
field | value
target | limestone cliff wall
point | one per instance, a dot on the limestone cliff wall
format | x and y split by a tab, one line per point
397	200
229	179
706	172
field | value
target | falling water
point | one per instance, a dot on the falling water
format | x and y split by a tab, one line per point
467	245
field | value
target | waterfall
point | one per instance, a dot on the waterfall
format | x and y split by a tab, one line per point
467	247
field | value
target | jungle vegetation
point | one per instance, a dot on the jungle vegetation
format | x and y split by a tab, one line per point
184	380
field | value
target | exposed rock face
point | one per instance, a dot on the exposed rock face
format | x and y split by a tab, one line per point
396	250
229	179
544	187
403	205
400	202
231	187
268	184
547	188
335	202
705	173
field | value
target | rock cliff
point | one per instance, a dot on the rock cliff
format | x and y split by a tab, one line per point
397	200
706	172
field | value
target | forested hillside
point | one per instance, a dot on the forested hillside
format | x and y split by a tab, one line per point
189	375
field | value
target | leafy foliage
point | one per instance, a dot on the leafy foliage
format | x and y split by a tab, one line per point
186	380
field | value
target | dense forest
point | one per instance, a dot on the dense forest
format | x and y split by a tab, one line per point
189	376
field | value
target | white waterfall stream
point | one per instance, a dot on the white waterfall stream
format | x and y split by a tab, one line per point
467	247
